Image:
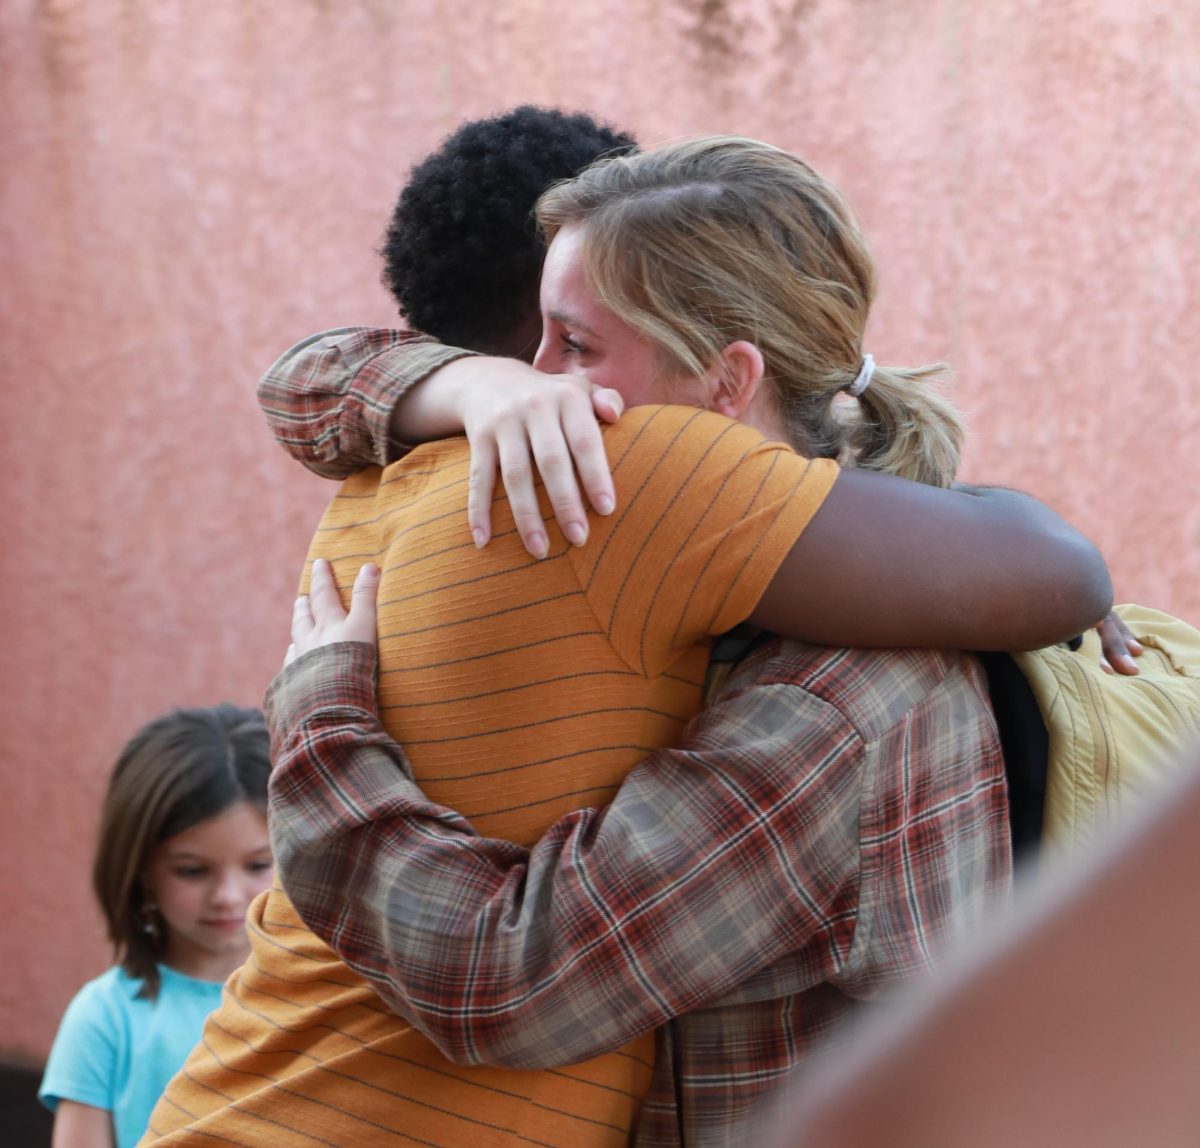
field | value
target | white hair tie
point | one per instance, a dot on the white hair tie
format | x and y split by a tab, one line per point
863	379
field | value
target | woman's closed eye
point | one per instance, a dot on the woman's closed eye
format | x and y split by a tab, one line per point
570	344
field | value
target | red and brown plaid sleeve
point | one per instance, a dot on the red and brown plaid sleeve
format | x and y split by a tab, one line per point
823	827
543	956
329	399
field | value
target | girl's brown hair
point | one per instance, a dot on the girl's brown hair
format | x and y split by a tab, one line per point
699	244
177	771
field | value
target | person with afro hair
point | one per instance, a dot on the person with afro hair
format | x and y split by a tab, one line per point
462	254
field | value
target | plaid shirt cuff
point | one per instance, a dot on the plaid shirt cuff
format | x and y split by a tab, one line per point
420	361
329	399
339	677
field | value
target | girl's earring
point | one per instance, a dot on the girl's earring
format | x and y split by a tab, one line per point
150	925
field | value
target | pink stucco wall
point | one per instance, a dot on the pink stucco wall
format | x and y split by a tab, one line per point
188	188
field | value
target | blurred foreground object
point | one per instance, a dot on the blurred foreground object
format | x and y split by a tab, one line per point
1074	1023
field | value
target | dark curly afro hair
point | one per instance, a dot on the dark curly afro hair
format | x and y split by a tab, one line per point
462	254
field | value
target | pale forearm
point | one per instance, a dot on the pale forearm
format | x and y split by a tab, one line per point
433	408
329	400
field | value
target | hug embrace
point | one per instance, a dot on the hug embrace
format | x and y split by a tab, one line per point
531	890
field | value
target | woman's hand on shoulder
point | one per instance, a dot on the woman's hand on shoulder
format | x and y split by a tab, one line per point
318	618
525	423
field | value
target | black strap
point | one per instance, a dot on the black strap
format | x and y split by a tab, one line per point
1026	748
729	649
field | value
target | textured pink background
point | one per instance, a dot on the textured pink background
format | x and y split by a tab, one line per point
186	189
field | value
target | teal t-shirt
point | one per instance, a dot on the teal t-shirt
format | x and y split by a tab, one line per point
117	1051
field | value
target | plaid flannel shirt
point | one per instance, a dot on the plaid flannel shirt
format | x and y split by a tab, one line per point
329	399
823	827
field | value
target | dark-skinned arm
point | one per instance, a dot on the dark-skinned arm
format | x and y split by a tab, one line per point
887	562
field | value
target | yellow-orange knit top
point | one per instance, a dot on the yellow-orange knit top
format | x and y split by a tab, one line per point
521	690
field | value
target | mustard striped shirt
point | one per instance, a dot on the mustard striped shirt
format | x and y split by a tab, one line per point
521	690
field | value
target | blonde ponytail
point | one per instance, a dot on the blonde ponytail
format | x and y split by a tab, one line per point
904	426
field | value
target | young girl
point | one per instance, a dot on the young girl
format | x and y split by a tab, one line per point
183	850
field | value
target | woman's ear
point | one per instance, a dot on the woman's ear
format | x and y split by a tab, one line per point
733	379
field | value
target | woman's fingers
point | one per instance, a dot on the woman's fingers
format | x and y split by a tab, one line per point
547	429
550	440
360	625
318	618
586	445
607	403
302	619
323	592
481	482
516	472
